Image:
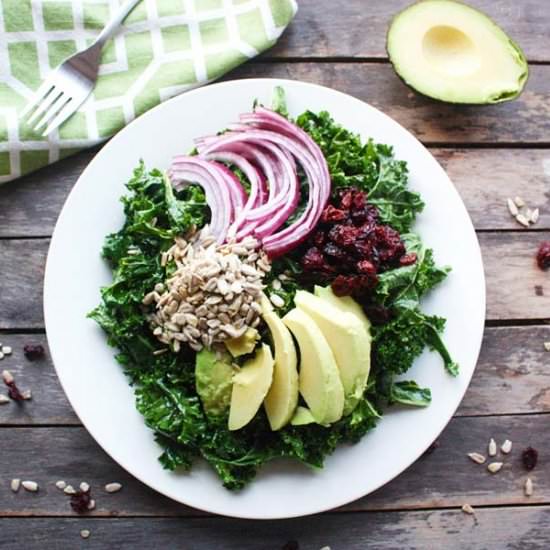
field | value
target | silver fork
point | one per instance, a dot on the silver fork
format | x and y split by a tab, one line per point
67	87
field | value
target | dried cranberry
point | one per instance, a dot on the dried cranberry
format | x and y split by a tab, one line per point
333	215
319	238
364	266
346	199
543	255
343	285
313	259
334	251
13	390
529	458
359	201
408	259
378	315
33	351
343	235
80	501
366	282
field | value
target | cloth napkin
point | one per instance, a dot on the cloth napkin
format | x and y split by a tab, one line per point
164	48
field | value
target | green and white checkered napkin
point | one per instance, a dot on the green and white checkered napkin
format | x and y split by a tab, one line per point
164	48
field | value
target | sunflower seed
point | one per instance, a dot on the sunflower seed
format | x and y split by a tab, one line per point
276	284
512	207
492	448
520	203
467	509
477	457
506	447
27	394
494	467
276	300
7	376
546	346
535	215
4	399
84	487
85	533
15	484
520	218
69	490
6	350
91	504
30	486
528	488
223	286
60	484
113	487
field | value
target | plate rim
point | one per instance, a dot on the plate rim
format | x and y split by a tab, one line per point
350	496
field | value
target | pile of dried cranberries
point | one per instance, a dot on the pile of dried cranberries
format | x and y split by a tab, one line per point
350	247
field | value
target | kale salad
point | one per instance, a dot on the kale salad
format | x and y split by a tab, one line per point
266	293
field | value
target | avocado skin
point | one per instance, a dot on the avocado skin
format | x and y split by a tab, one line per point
491	101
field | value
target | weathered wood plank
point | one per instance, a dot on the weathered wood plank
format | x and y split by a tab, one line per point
523	120
511	377
516	287
490	529
484	178
446	477
49	404
31	204
358	29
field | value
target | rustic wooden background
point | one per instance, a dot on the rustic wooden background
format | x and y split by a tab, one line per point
491	153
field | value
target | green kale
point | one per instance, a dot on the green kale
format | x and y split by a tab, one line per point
399	342
403	287
371	167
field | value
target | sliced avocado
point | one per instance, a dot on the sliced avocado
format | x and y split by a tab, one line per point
345	304
282	398
243	345
319	379
449	51
302	417
250	386
213	380
348	340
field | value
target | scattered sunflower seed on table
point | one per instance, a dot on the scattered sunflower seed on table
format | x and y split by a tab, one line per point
467	509
15	484
495	467
506	447
492	448
528	488
477	458
30	486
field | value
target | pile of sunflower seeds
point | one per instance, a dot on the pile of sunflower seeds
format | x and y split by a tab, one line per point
213	295
519	210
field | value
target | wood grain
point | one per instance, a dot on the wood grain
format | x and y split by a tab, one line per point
511	377
446	477
485	178
490	529
523	120
355	28
516	287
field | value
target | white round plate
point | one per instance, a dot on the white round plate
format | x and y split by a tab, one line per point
96	386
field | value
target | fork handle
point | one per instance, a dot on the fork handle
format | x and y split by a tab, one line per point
115	21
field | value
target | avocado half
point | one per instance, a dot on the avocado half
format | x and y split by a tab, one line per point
449	51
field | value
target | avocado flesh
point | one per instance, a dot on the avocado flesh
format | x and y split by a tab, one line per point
250	386
282	398
213	380
452	52
349	341
319	379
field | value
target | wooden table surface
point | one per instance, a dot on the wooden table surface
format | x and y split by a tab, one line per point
490	153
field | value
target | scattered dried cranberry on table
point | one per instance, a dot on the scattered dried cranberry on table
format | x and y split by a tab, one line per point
80	501
33	351
350	246
529	458
543	255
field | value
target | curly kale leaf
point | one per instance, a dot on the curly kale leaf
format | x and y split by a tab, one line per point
403	287
398	343
369	166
